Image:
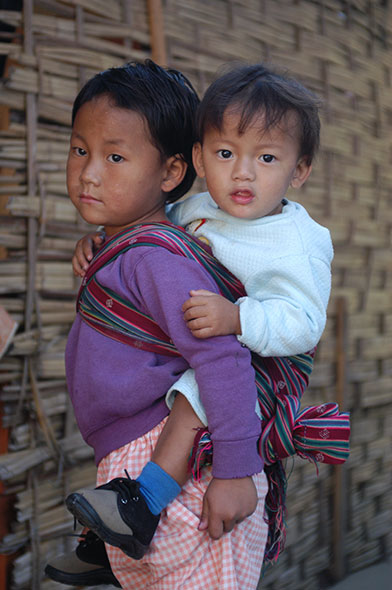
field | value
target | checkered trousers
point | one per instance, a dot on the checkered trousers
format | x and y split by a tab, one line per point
180	556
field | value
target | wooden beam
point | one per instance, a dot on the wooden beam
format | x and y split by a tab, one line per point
339	475
157	32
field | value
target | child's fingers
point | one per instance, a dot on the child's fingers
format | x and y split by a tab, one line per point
198	323
82	250
195	292
202	333
76	267
215	527
196	311
86	252
200	326
98	238
203	525
195	301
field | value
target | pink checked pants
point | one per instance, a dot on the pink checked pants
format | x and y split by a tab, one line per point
180	556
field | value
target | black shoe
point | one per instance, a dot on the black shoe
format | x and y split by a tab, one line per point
117	512
88	565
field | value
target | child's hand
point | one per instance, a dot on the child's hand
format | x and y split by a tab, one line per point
208	314
226	503
84	252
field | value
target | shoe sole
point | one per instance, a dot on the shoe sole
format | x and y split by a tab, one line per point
87	516
95	578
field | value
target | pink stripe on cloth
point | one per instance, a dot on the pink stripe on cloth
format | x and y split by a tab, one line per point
181	557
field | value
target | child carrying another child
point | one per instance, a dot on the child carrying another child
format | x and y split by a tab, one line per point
130	154
257	134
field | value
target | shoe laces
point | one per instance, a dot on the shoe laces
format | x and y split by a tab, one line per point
86	539
127	488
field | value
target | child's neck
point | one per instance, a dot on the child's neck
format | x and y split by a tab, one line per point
160	216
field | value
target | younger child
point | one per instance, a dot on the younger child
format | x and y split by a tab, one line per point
130	153
258	134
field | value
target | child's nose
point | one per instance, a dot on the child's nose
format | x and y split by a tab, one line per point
90	173
243	169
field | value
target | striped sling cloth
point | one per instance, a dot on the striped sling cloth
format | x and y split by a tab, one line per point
318	433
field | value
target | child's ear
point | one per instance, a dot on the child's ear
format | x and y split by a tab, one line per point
197	157
301	173
175	172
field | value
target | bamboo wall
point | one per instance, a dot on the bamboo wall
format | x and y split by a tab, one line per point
340	520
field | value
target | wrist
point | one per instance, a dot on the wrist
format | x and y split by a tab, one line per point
238	329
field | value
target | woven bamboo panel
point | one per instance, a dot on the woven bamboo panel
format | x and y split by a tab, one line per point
38	228
340	49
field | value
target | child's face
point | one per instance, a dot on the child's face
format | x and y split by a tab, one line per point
248	175
115	175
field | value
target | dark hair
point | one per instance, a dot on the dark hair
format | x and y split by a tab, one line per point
163	97
255	88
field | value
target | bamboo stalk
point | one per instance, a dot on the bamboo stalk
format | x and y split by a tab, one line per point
157	35
339	487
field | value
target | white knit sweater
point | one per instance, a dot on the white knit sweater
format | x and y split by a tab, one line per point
283	262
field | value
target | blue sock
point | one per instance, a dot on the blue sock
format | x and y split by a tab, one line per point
157	487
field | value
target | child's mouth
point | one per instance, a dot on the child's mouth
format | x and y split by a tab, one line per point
242	197
88	198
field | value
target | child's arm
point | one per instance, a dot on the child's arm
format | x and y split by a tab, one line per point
84	252
222	367
286	314
225	377
226	502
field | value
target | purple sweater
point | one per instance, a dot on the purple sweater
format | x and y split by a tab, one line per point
118	391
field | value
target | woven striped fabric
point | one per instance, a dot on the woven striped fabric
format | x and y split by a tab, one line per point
318	433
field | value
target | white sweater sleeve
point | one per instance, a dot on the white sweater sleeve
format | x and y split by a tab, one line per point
286	314
187	385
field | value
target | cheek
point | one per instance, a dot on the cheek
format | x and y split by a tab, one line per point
72	173
70	182
68	172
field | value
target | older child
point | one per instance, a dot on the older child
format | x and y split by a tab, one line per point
130	154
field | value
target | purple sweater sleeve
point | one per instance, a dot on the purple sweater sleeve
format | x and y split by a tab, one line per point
161	282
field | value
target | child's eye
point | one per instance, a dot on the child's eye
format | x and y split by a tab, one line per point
267	158
115	158
79	151
225	154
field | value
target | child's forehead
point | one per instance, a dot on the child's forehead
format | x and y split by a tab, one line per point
236	121
102	112
107	107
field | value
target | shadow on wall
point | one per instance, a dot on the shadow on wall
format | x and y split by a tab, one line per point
6	31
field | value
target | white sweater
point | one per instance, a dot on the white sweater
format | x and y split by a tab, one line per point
282	260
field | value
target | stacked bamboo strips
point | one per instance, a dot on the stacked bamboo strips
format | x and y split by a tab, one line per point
44	440
16	463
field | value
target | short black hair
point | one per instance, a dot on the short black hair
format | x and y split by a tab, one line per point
163	97
256	88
